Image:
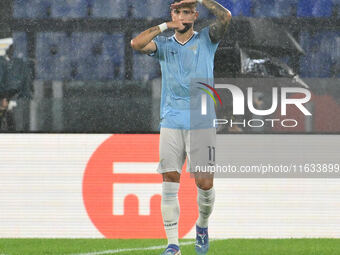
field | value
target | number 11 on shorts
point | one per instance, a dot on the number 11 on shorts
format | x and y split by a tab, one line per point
211	154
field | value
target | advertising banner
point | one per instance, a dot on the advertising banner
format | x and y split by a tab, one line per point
93	186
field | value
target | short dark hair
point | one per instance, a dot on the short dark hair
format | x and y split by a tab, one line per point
177	1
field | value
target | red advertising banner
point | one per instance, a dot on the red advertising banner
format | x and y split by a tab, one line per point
100	181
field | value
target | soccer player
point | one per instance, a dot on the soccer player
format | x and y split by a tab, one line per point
184	57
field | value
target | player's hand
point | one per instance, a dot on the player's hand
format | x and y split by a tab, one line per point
184	2
176	25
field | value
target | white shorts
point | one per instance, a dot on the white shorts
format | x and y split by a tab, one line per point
177	144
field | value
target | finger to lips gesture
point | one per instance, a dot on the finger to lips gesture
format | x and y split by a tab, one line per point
176	25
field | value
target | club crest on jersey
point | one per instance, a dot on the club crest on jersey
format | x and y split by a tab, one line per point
193	48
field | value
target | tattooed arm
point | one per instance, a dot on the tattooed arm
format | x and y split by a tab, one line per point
143	42
223	17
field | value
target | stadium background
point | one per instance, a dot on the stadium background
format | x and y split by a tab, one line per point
87	79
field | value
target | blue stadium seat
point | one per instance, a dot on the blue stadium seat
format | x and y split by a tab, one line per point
318	59
203	12
86	49
323	64
285	8
158	9
153	9
318	8
109	8
274	8
39	8
20	44
330	48
31	8
309	65
305	8
52	55
114	52
322	8
69	9
19	8
337	55
226	3
264	8
144	67
242	8
98	56
97	67
139	9
82	44
328	43
305	65
336	4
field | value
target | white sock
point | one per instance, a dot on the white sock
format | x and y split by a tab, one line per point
205	200
170	210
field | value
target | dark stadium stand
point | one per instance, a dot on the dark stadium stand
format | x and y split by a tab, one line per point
69	9
322	54
158	9
52	56
150	70
138	9
87	77
238	8
20	41
32	8
271	8
114	53
227	3
91	56
318	8
81	56
242	8
109	8
203	12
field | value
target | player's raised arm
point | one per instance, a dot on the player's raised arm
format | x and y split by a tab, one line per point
223	17
143	42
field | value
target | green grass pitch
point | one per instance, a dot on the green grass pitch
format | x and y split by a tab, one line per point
133	247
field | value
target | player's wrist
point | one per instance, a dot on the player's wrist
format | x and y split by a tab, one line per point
163	27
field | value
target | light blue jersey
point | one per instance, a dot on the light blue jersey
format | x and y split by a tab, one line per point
181	65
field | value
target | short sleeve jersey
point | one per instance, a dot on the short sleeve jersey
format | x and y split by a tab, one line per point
181	64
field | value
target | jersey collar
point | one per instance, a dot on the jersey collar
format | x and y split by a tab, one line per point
182	44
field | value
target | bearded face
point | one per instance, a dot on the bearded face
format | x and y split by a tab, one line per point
187	27
187	15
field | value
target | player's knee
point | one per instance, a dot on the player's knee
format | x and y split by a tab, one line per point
171	177
204	184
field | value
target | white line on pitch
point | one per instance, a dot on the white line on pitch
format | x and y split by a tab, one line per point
132	249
